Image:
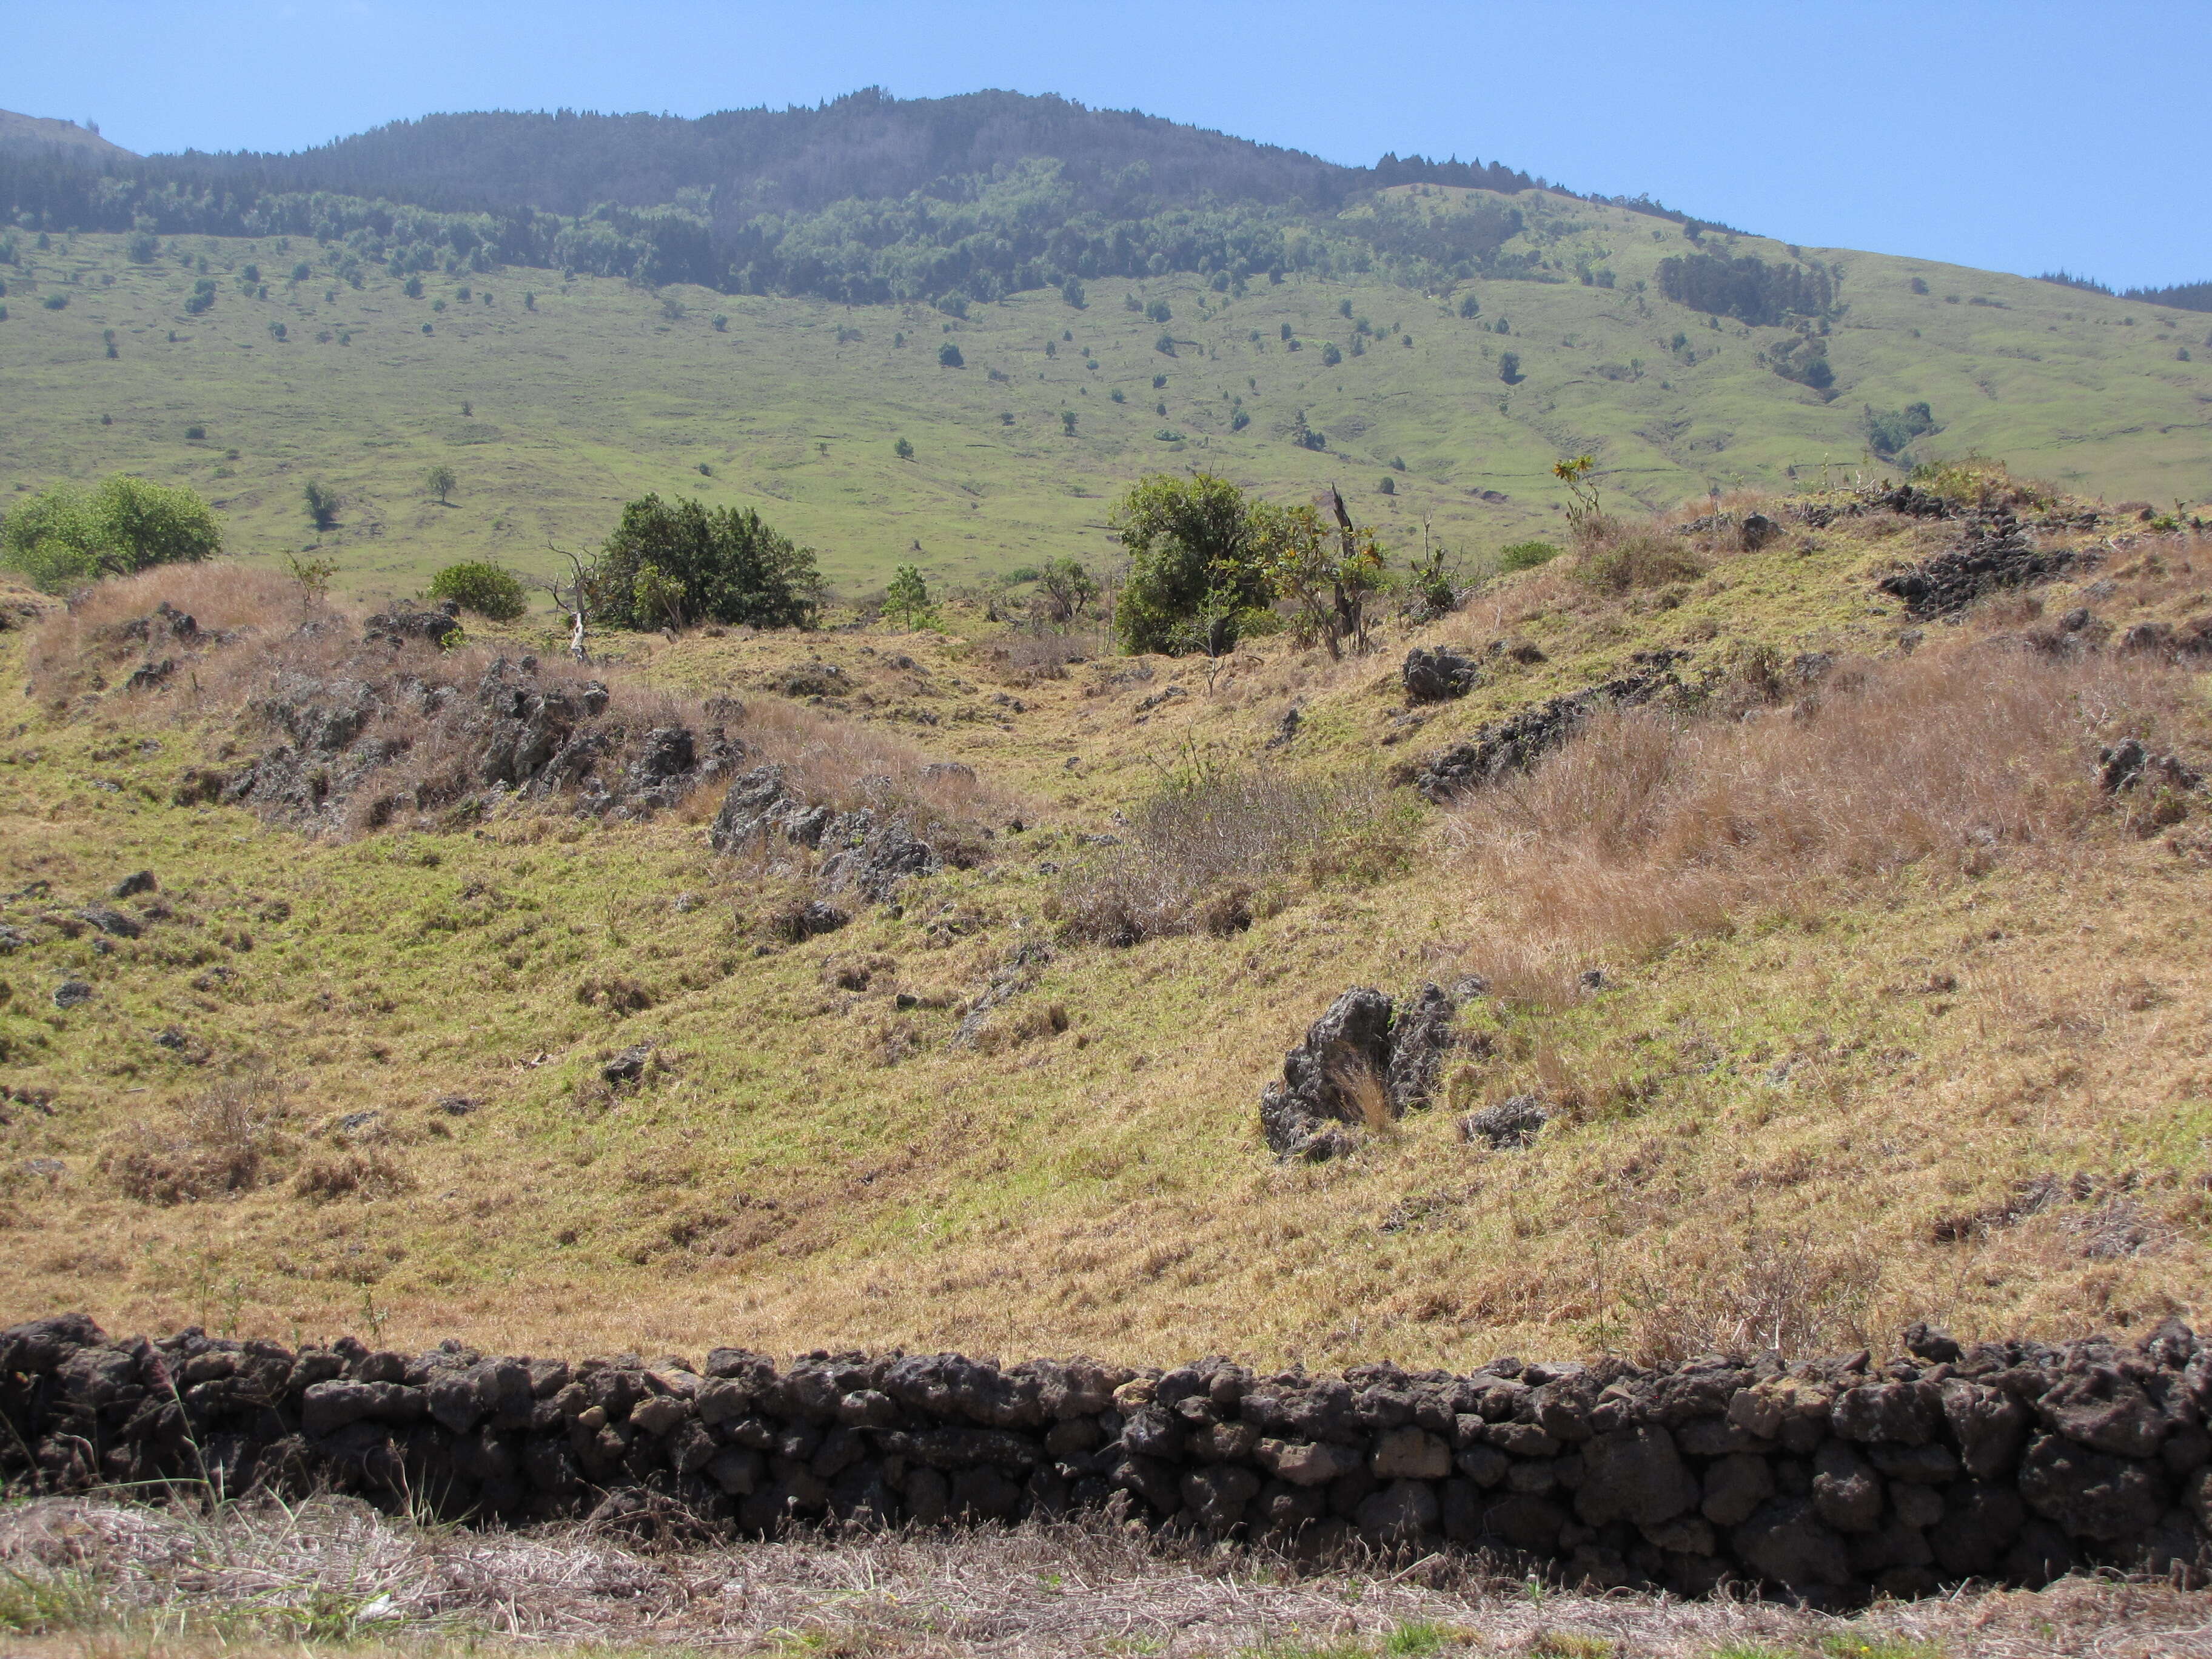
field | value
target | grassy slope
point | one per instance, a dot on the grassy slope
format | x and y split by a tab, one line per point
1784	1111
597	397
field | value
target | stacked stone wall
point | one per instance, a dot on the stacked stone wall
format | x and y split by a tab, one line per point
1833	1479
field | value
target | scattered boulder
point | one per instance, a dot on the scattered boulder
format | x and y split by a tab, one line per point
1513	1123
398	627
107	918
1438	674
1363	1055
72	994
865	850
2131	762
629	1066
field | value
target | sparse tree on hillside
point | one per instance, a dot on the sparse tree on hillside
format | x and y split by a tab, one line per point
440	481
948	357
483	588
908	596
1065	590
1194	579
680	560
322	504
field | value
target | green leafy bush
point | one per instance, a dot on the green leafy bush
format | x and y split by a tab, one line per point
483	588
67	535
1194	575
677	563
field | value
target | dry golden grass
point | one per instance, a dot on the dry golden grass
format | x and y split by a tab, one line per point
1648	825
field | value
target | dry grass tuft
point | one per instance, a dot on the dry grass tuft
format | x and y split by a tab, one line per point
219	1145
351	1175
1211	845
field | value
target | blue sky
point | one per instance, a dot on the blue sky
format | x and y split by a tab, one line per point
2016	137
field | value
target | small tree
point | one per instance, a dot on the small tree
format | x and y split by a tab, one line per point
908	596
1194	577
1470	307
1509	368
1072	291
322	504
948	357
1065	590
1330	356
483	588
440	481
1330	573
903	450
1068	421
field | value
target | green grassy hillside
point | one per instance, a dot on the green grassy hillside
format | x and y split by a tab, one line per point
1896	1014
604	391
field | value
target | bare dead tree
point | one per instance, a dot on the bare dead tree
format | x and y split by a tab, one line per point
576	601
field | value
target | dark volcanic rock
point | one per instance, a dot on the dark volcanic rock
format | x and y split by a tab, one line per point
1363	1055
1516	743
1438	675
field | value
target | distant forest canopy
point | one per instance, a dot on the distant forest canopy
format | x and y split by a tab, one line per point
1746	288
2182	296
866	199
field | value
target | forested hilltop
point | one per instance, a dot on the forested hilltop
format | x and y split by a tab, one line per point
867	200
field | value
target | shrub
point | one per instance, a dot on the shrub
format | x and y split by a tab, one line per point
142	248
56	302
678	563
1888	430
1470	307
902	449
1617	561
195	432
948	357
1509	368
217	1147
65	535
1526	556
486	589
1193	569
1330	356
1200	852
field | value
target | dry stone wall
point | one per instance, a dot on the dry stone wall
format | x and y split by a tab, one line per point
1832	1480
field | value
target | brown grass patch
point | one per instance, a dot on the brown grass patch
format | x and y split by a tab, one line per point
352	1175
1647	826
